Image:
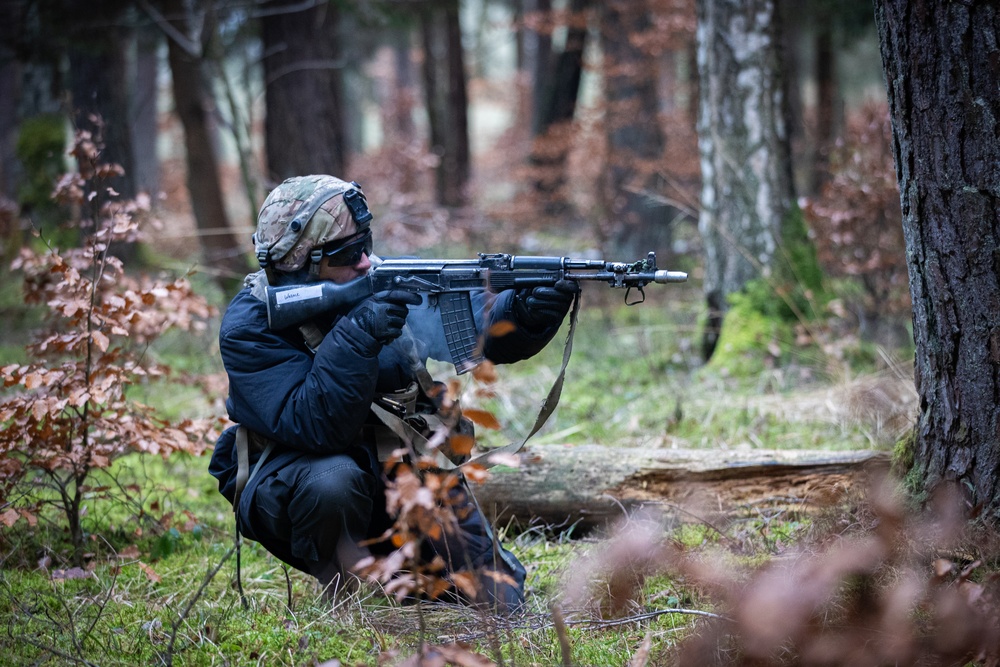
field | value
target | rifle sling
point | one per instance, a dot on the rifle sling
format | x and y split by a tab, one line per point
409	435
548	405
243	476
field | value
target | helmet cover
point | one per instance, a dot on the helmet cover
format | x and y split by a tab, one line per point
286	232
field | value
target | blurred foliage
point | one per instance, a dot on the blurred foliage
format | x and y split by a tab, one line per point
41	148
857	222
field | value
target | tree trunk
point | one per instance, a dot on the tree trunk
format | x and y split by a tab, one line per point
97	73
536	55
398	103
145	111
556	90
587	486
33	114
10	84
743	144
223	252
303	73
826	100
940	63
635	138
446	100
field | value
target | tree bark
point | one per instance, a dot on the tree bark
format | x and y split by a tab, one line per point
536	54
446	100
940	62
303	73
398	103
634	136
10	92
556	90
747	187
223	252
589	485
145	112
826	100
97	72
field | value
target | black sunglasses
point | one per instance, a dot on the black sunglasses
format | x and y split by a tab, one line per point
338	253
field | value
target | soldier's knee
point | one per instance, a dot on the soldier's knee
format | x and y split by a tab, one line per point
334	487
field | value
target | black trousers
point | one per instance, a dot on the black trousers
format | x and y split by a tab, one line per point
316	512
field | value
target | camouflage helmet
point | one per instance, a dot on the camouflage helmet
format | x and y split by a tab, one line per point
304	213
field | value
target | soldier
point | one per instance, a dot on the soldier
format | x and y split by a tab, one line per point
301	397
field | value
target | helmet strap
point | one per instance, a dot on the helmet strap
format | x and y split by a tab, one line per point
315	259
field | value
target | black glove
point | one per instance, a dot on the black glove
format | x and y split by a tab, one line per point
538	308
383	315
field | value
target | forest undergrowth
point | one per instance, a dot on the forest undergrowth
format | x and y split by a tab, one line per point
157	583
145	573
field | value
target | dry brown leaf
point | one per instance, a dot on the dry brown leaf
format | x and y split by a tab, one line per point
461	445
482	418
502	328
150	572
131	551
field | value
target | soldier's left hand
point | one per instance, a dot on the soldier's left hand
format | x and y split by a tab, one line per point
538	308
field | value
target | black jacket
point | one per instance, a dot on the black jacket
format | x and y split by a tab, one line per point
317	403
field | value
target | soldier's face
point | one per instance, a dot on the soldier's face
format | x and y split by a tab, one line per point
343	274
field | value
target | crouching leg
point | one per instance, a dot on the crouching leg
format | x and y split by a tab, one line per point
475	547
313	514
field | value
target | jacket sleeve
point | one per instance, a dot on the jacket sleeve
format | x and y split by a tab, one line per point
517	344
488	310
311	403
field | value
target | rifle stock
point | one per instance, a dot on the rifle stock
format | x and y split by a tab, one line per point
292	305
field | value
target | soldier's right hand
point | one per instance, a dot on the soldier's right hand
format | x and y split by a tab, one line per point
383	315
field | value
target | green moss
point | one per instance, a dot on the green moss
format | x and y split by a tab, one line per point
694	535
903	466
746	335
41	148
902	454
798	266
759	327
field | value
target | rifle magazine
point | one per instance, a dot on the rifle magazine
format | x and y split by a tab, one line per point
460	330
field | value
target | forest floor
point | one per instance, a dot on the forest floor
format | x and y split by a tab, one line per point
159	584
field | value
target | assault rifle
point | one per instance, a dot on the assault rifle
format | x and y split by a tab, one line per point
448	284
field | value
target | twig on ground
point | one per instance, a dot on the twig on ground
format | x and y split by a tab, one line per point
168	656
564	646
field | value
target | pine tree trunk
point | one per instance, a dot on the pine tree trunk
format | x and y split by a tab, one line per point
642	222
537	58
446	100
940	63
97	72
303	72
223	252
743	143
145	128
826	101
556	89
10	75
401	102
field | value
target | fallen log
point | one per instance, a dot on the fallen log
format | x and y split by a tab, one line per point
589	485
